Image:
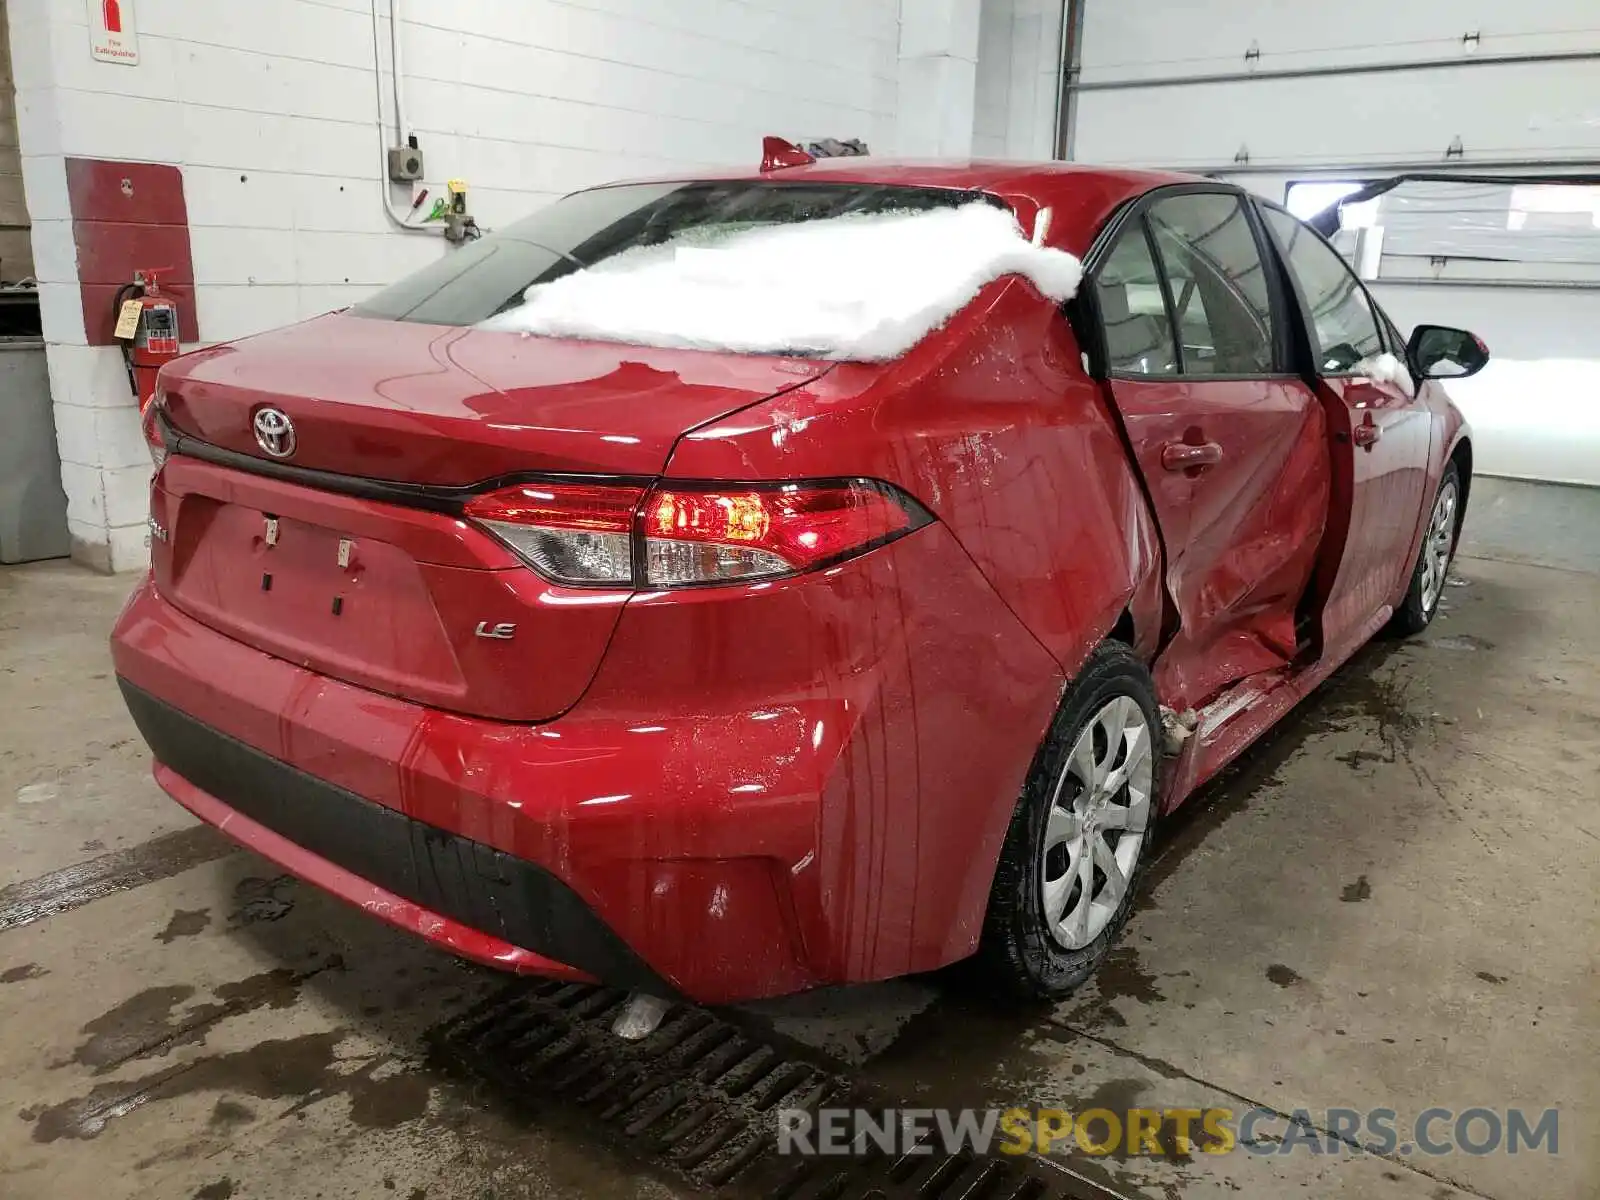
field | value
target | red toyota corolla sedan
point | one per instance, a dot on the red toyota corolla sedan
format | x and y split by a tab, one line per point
725	671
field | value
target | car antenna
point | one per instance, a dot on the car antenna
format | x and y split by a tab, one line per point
777	154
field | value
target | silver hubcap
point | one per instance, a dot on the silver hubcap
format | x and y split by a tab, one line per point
1098	816
1437	544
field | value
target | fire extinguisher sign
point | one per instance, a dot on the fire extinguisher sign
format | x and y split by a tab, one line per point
112	36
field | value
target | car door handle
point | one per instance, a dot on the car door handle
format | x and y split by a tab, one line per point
1186	456
1366	434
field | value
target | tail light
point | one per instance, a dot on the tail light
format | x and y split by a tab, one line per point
153	440
599	535
713	536
578	533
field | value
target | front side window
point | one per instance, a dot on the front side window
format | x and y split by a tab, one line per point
1344	326
1391	331
1218	284
1134	311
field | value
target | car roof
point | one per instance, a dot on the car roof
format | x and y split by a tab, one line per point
1083	195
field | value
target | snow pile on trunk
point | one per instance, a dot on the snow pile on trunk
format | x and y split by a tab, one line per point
862	288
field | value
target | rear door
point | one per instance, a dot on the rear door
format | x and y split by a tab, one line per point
1232	444
1380	431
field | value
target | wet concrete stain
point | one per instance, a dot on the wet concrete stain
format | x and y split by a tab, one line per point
1164	1174
392	1101
184	923
148	1024
1379	704
256	900
1459	641
1097	1014
1283	976
305	1069
137	1025
1358	758
1114	1096
1487	977
1125	1184
1354	893
963	1051
1180	1143
72	887
222	1189
1122	976
25	972
229	1114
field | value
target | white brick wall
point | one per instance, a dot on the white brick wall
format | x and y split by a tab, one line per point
1019	48
938	69
271	111
526	99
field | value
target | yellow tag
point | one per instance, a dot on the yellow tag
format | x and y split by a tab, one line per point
128	319
457	186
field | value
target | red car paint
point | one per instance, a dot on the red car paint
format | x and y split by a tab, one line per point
759	787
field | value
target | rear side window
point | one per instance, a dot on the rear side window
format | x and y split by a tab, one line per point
1343	323
1134	311
488	276
1218	284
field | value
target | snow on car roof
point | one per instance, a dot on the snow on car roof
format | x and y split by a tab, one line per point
861	288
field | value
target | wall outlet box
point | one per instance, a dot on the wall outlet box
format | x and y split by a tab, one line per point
405	164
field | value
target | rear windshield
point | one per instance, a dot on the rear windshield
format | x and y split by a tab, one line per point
490	275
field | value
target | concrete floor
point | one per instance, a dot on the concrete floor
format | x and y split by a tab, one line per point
1392	903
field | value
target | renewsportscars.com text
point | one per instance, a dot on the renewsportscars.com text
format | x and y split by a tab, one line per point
1167	1132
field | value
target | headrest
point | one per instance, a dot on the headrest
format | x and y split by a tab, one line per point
1114	303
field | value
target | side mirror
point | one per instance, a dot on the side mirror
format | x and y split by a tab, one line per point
1439	352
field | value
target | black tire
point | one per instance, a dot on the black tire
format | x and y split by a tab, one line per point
1421	603
1017	955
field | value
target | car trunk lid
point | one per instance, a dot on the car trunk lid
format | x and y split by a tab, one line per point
349	556
434	404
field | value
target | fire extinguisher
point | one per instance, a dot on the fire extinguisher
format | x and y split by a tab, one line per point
147	326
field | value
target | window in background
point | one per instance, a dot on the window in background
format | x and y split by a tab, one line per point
1519	231
1306	200
1554	208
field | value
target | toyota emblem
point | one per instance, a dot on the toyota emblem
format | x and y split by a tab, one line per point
275	432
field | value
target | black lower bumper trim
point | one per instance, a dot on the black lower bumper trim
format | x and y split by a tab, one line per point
467	881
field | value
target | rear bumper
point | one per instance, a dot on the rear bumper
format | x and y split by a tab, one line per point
480	902
763	789
568	849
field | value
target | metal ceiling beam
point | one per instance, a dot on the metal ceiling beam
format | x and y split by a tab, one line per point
1562	166
1074	86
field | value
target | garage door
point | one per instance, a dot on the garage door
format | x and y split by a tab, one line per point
1280	96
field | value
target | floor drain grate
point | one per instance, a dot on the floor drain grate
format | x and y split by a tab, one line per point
696	1098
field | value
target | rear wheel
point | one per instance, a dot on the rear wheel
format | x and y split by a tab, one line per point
1078	839
1433	561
